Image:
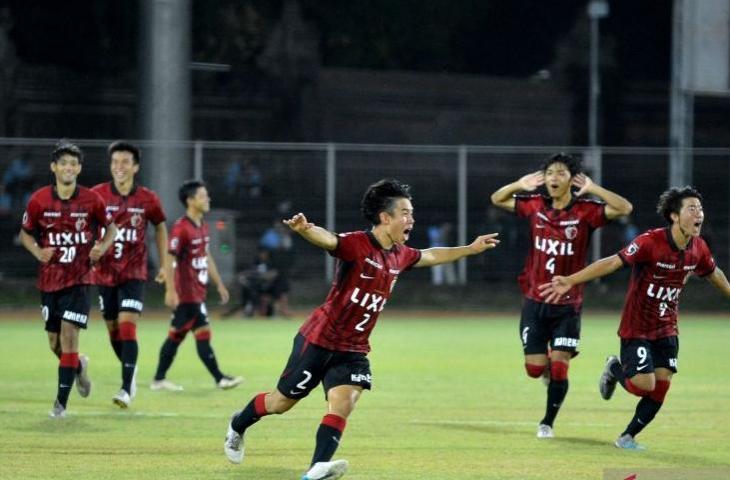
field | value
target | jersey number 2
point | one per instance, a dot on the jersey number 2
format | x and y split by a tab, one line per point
360	327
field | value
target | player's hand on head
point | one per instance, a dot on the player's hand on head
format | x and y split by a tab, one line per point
583	182
531	181
46	254
484	242
298	223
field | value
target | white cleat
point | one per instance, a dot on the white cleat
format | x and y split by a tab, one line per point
83	382
233	446
122	399
227	382
58	411
545	431
326	470
165	384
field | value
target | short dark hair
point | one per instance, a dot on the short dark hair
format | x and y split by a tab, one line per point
65	147
380	197
573	164
671	200
188	189
125	146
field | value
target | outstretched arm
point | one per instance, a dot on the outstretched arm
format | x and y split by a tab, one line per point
719	281
504	197
310	232
560	285
438	255
616	205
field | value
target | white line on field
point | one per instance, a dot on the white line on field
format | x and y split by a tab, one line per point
501	423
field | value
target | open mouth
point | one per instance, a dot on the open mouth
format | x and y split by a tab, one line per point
407	231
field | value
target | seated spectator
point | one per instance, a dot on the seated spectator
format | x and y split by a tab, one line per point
263	289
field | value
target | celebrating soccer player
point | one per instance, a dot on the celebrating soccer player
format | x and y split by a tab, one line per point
59	225
662	261
122	272
560	229
193	266
331	347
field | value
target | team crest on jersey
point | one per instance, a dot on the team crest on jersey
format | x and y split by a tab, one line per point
136	220
571	232
174	243
632	249
80	224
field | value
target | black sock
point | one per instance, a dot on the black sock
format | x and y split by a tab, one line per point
66	376
130	350
116	344
250	414
618	372
328	438
206	354
167	355
646	410
556	392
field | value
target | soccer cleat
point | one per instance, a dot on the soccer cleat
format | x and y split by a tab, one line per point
165	384
233	446
607	382
545	431
58	410
326	470
83	382
627	442
122	399
133	385
227	382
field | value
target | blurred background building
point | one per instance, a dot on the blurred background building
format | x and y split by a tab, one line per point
297	105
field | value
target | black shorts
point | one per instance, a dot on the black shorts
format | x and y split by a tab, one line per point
71	305
542	323
644	356
310	364
189	316
125	297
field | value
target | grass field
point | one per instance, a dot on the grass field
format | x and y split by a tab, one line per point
450	401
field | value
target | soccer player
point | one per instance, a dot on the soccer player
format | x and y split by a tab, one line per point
662	260
561	225
332	345
122	272
59	226
193	265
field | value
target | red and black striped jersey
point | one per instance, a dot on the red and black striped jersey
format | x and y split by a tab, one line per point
660	271
69	226
126	259
189	245
559	241
364	279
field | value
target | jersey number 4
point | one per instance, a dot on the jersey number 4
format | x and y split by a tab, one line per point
550	265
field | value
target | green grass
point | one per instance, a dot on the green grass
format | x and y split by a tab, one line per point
450	401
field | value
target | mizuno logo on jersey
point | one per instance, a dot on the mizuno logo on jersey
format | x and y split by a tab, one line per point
371	301
553	247
200	263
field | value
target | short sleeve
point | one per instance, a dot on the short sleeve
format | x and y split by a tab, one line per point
410	258
30	216
527	205
176	243
99	213
349	246
155	214
706	265
596	214
640	250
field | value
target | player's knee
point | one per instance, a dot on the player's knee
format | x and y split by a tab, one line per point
176	336
559	370
660	390
127	331
203	335
276	403
640	388
534	371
